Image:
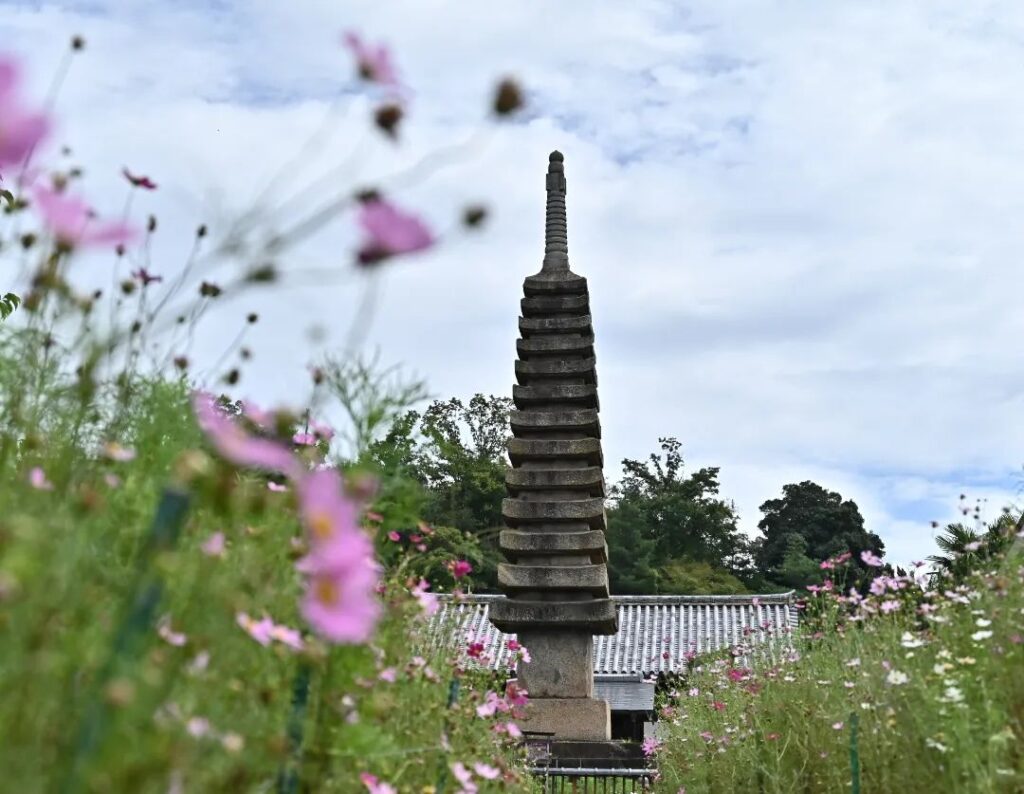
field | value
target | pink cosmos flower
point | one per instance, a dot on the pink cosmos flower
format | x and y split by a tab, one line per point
515	695
389	232
509	728
869	558
717	705
287	636
276	487
486	771
214	545
389	674
304	439
374	64
325	432
37	479
394	537
464	776
889	606
72	222
20	130
198	727
235	445
261	631
650	746
374	785
112	480
459	568
139	181
342	574
168	635
837	726
429	602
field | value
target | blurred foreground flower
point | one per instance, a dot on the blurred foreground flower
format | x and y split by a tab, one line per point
342	574
390	232
373	63
21	130
236	445
72	222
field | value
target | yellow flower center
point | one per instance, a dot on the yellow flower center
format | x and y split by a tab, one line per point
320	524
326	592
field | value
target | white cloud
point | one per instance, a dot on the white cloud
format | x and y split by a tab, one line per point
800	223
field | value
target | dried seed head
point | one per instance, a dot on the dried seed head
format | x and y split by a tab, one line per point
387	118
77	43
262	274
127	286
508	97
474	215
181	362
209	290
231	378
252	318
201	231
151	224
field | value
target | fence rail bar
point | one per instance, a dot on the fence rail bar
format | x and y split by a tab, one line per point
575	771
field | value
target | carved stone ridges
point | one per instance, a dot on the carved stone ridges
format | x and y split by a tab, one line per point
556	577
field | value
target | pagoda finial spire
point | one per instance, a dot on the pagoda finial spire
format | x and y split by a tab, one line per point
556	241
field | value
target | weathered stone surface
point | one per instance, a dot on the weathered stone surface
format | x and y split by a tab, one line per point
565	282
529	326
590	480
585	449
522	578
519	511
513	615
521	543
557	664
541	368
576	718
576	420
550	345
557	576
540	305
544	393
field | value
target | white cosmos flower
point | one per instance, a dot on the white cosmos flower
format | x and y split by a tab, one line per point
896	678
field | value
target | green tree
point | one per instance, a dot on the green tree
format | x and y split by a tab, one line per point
457	452
827	524
660	514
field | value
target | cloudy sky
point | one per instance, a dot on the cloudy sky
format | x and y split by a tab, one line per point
801	222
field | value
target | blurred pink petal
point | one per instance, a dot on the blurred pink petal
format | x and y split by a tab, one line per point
374	63
72	223
234	444
260	631
20	130
37	479
389	232
214	545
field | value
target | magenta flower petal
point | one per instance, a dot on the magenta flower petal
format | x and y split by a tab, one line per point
390	231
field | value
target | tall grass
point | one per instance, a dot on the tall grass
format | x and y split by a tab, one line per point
932	678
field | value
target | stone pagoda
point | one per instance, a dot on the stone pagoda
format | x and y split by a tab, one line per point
556	577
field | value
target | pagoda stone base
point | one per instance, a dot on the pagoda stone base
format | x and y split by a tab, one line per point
581	719
561	665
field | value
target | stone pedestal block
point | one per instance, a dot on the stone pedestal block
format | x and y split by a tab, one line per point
561	664
584	719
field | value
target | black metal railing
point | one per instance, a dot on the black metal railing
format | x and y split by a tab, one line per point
592	780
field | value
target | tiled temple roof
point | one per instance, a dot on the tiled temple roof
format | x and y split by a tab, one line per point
655	632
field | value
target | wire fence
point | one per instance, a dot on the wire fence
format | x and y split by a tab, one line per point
583	780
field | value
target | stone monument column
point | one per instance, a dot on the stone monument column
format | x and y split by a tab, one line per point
556	577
